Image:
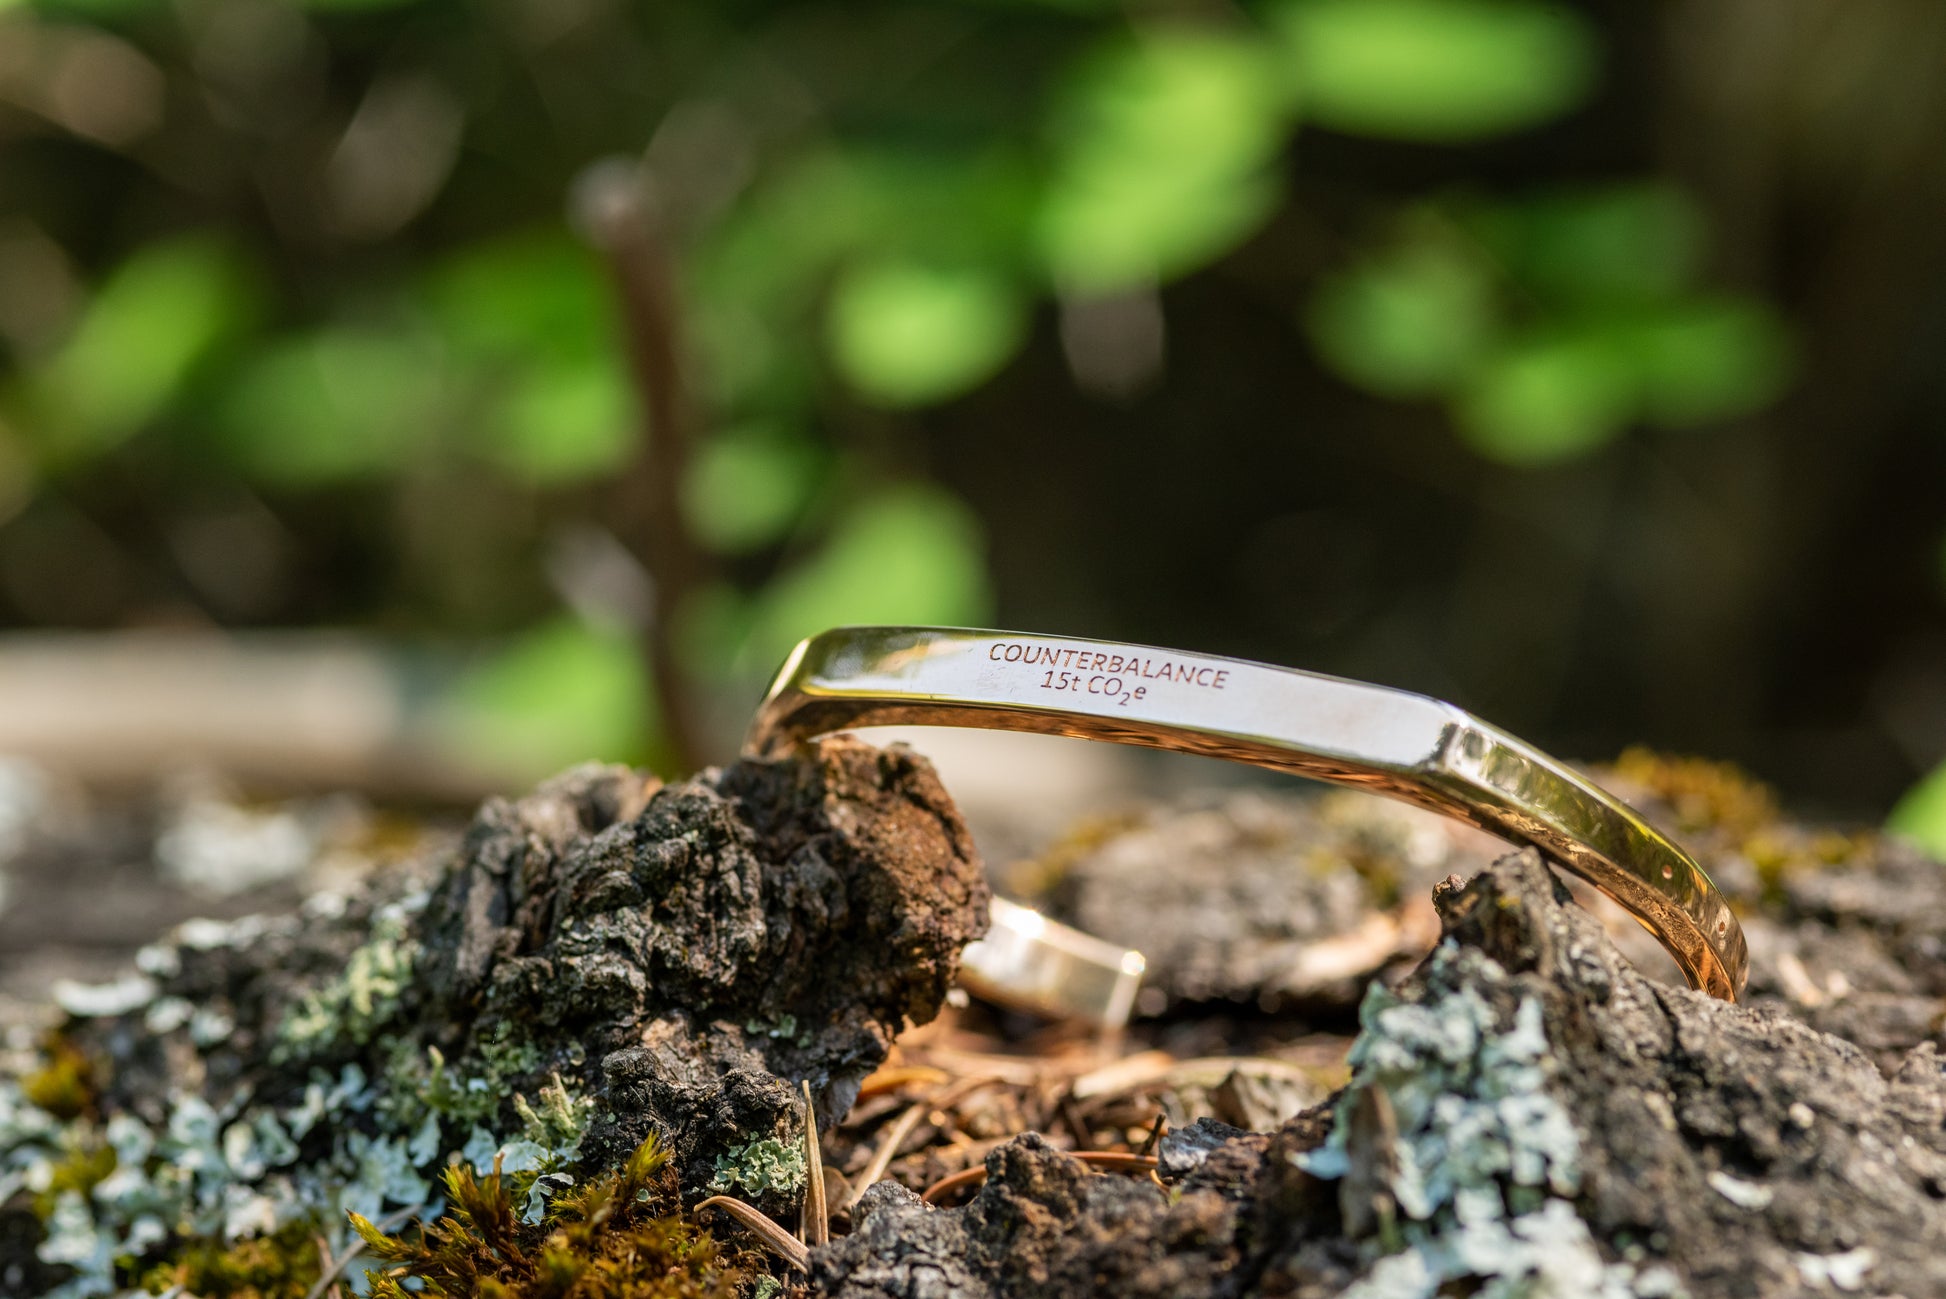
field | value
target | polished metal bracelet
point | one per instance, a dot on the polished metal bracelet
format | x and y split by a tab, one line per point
1347	732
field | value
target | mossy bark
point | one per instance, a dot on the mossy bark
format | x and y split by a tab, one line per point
602	961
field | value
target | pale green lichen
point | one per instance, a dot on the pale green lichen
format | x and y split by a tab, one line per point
120	1193
759	1167
349	1011
1484	1159
207	1172
122	1198
420	1080
783	1028
559	1122
209	1175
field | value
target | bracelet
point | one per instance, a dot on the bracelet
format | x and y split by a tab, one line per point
1370	737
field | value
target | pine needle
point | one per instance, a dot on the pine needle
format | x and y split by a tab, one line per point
814	1224
773	1237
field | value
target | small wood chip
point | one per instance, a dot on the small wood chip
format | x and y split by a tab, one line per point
1124	1075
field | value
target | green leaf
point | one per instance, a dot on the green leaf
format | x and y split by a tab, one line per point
1438	71
1060	6
1163	144
1548	399
1556	395
760	278
745	488
905	334
528	322
91	10
1710	360
354	6
1410	322
153	321
561	693
1921	815
562	421
1107	231
911	554
1616	245
774	252
525	295
335	405
955	206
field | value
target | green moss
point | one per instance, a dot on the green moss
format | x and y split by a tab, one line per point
64	1086
1705	795
618	1237
283	1266
84	1166
1718	798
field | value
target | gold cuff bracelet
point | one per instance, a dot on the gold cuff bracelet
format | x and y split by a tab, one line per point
1347	732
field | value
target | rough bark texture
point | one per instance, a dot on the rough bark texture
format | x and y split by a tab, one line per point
1529	1112
713	942
604	959
1279	901
1526	1111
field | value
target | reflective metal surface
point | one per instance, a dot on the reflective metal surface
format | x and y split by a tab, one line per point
1042	965
1347	732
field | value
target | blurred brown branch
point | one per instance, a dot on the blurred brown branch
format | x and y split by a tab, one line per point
618	217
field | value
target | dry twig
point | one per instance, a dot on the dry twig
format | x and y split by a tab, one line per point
893	1077
902	1127
888	1149
621	223
1119	1160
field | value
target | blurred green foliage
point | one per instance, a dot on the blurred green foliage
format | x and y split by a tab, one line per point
1921	815
1164	143
908	334
557	693
133	349
1442	71
1551	325
335	273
